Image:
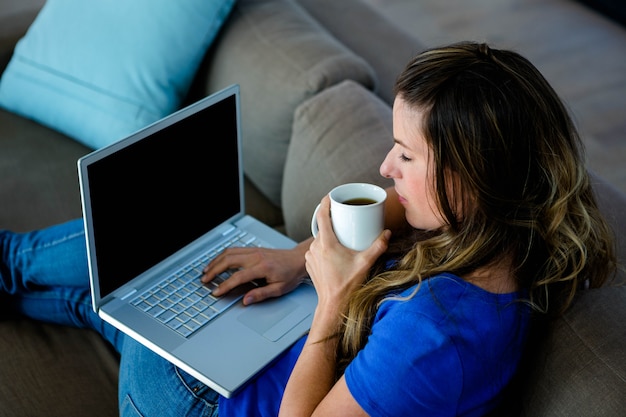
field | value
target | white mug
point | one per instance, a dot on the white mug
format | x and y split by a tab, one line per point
357	214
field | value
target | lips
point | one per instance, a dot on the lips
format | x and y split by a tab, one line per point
401	199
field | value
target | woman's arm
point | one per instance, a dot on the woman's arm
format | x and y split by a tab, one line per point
336	273
311	389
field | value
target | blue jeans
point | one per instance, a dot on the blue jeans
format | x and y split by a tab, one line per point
44	276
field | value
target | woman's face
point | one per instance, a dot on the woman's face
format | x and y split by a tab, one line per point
410	164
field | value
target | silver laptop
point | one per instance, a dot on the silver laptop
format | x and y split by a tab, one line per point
158	205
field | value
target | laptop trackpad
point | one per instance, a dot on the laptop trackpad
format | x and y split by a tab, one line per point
273	318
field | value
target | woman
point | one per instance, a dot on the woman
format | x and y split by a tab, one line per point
491	220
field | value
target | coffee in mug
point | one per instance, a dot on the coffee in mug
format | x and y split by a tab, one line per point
359	201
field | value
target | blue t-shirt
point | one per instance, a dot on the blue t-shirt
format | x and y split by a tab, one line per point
447	351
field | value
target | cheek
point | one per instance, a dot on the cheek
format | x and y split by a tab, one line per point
420	188
422	212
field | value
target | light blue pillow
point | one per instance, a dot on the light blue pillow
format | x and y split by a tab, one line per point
99	70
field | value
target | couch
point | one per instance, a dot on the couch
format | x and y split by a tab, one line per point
316	79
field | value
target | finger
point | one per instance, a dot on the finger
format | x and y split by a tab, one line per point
380	245
237	278
215	267
374	251
269	291
308	260
323	218
232	258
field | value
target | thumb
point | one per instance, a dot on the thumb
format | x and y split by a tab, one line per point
268	291
380	245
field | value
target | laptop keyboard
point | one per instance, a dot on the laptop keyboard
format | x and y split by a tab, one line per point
183	303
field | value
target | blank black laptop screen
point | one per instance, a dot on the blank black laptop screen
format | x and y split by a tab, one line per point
157	195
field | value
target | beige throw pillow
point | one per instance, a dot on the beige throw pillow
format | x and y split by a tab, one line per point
341	135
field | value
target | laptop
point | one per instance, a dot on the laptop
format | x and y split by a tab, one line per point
157	206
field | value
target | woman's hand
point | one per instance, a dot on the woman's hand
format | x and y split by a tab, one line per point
335	270
282	269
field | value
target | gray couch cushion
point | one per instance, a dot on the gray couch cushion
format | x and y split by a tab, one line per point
45	191
612	203
580	370
341	135
55	371
280	57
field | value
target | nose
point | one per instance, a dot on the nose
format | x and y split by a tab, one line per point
386	167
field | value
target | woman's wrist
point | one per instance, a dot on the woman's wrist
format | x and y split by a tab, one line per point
301	249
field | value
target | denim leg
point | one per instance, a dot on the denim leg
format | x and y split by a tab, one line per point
151	386
55	256
68	306
44	276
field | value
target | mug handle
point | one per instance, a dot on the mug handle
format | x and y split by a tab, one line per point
314	228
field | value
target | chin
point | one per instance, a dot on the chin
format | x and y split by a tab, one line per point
421	225
414	224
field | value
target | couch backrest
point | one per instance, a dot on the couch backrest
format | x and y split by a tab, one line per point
580	367
384	45
15	18
612	203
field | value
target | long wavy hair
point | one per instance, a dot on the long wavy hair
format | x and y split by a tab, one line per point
494	121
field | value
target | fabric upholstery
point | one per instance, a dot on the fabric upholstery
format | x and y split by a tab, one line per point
370	43
580	370
75	373
612	204
340	135
45	189
280	57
